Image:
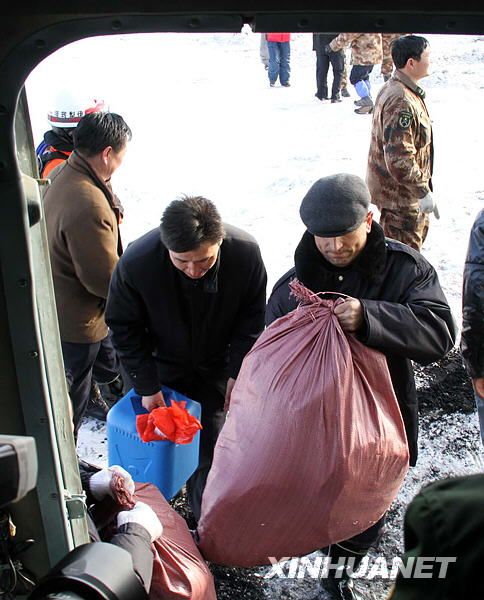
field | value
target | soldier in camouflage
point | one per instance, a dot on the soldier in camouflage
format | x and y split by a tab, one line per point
366	51
387	62
400	159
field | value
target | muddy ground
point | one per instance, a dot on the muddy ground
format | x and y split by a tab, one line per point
449	445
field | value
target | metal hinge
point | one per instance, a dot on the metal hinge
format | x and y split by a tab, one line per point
76	505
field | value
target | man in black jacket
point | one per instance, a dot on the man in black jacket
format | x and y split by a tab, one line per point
186	304
323	60
472	342
395	305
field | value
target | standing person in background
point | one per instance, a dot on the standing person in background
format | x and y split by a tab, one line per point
58	142
279	45
400	158
264	51
82	222
323	60
366	51
387	61
472	342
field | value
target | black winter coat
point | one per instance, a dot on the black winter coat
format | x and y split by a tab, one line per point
472	342
320	40
406	315
170	329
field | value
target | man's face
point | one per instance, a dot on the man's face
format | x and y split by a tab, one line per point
197	262
421	67
342	251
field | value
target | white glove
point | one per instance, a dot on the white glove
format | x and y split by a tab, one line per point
100	482
427	204
143	515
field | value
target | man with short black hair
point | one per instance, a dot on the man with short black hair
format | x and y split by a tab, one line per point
400	158
186	304
394	304
82	219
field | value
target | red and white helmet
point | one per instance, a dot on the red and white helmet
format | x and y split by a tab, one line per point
67	110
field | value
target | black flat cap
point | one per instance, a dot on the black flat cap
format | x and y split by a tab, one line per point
335	205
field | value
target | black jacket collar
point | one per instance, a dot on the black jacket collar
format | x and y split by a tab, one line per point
312	269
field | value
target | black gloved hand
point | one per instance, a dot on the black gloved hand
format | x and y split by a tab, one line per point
327	49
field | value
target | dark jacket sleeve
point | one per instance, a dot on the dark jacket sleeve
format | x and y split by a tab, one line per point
125	318
420	327
472	341
131	537
136	540
249	323
280	302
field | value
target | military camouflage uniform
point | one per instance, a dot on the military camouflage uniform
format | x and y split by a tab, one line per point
400	159
387	62
366	48
344	77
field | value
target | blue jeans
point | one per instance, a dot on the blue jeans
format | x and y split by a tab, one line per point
279	54
480	413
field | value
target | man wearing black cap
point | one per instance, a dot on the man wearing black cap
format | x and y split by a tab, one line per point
395	305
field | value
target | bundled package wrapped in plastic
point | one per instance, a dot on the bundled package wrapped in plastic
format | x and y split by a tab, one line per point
314	449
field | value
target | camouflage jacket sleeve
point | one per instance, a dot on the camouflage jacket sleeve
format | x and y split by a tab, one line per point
407	142
342	41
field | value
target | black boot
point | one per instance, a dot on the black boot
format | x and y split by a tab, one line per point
97	406
339	582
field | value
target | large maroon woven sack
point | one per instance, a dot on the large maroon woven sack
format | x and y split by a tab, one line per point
314	449
179	571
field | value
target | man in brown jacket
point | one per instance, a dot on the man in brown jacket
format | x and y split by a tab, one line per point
82	219
399	171
366	51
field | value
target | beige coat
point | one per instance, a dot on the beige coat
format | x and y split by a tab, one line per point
366	48
84	246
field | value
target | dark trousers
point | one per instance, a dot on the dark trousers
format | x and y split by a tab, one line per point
79	360
211	397
106	366
323	60
357	546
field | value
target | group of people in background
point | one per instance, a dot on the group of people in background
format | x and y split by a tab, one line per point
367	50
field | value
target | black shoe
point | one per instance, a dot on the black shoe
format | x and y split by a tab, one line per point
113	391
272	84
286	84
342	588
345	93
97	407
336	99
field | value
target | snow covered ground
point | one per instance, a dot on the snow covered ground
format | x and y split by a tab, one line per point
205	121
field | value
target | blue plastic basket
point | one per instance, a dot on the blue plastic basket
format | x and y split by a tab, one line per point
163	463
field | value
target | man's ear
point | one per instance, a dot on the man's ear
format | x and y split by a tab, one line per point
369	221
105	154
